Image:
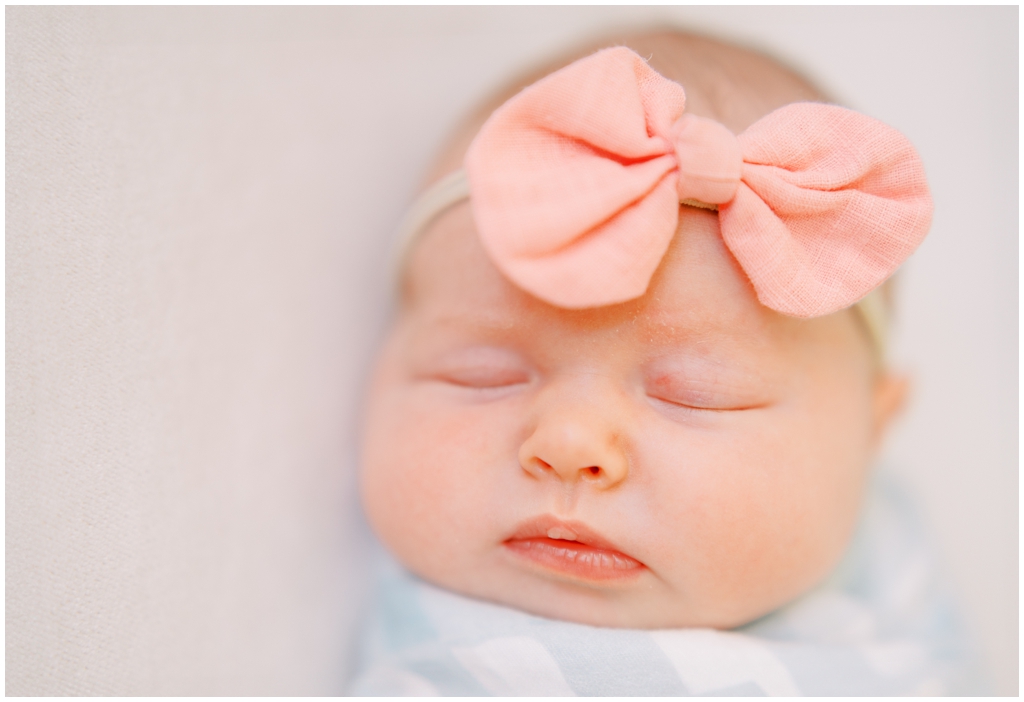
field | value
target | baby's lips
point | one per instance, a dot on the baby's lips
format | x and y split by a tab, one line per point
551	528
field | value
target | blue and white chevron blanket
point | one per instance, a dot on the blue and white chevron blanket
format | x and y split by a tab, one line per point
880	626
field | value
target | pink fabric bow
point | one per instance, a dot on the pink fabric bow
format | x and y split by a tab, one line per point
576	184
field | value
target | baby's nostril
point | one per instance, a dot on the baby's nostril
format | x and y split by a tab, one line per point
594	470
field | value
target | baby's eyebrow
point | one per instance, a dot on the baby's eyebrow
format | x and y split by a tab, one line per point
716	349
488	323
702	366
698	332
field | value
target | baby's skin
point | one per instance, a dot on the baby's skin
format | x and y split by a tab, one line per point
687	458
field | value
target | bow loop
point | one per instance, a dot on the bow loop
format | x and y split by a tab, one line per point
573	180
834	202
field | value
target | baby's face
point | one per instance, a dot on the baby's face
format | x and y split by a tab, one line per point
689	458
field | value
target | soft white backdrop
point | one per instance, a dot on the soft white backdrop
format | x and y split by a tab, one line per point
199	207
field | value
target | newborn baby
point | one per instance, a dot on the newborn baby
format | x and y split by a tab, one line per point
600	411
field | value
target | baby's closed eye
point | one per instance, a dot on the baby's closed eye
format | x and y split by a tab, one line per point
478	367
704	386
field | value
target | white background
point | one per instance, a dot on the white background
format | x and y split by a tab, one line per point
199	208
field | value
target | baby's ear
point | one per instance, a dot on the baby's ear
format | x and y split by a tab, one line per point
890	397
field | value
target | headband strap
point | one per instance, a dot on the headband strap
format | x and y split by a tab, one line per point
445	193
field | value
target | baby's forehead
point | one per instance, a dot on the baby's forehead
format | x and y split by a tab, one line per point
698	284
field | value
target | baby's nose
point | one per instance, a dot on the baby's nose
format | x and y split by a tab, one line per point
576	447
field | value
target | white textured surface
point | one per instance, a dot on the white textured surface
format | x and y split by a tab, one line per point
707	660
199	202
514	666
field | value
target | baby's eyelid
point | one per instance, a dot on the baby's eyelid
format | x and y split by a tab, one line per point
476	361
696	398
482	369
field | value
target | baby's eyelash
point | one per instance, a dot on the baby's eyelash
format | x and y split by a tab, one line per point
483	378
688	394
685	406
702	397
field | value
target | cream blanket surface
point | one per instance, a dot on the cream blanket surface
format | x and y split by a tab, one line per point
881	625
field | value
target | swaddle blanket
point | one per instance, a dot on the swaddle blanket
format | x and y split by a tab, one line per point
879	626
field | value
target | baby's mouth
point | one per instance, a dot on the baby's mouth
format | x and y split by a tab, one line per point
572	549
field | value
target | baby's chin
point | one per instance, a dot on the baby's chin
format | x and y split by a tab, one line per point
623	609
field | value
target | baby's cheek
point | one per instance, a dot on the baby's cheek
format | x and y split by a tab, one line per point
754	511
426	468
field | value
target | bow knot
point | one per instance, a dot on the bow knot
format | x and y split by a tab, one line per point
710	160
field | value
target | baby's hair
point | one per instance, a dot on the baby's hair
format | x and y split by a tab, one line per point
712	71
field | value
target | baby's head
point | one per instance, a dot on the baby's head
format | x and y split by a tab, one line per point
686	457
